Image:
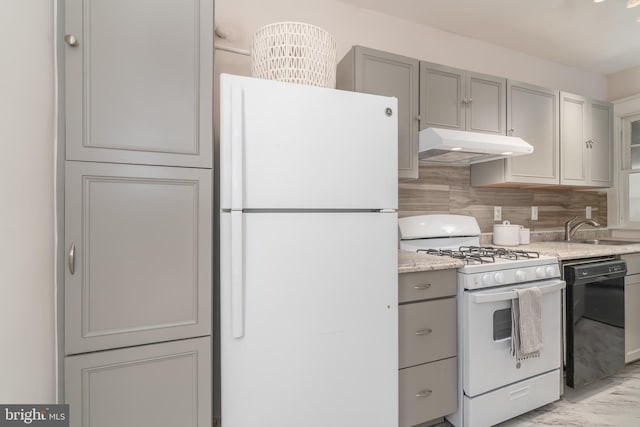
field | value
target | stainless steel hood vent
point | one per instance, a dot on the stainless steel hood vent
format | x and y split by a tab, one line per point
456	146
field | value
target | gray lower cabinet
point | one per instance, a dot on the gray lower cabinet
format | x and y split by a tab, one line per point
532	114
381	73
632	308
139	250
586	135
457	99
138	81
427	391
160	385
427	346
427	332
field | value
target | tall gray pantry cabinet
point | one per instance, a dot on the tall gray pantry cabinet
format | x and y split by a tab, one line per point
136	95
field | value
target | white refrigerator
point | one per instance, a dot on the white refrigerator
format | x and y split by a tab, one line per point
308	256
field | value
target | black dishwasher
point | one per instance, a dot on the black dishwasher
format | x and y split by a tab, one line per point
594	320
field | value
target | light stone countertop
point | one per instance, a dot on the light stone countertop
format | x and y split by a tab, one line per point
570	250
411	262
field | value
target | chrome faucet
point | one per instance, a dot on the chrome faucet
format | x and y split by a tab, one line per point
570	227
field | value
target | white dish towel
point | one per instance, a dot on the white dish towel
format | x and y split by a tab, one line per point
526	323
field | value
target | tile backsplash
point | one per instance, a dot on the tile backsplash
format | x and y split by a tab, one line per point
447	190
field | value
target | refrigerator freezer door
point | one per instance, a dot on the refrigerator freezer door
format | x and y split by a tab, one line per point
319	345
289	146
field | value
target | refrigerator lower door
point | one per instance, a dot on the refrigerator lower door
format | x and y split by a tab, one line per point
317	341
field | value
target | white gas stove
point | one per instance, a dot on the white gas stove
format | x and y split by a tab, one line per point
493	386
458	236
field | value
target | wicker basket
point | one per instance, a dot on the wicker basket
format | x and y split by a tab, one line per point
294	52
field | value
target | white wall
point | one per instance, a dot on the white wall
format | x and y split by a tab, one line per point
27	370
624	84
352	25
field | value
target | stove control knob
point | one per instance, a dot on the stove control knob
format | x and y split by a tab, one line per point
487	279
540	273
499	278
520	276
550	271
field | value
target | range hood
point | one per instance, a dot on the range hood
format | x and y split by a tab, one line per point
461	147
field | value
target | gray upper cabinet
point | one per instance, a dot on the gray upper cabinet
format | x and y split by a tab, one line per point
381	73
601	147
139	250
138	81
457	99
574	131
442	93
586	132
532	114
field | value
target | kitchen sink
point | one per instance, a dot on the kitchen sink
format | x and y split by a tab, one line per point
602	242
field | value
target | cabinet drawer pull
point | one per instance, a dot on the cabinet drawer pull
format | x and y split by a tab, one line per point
422	287
423	393
426	331
72	259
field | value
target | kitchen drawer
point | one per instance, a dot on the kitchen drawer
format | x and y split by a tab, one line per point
499	405
427	331
426	285
633	263
427	392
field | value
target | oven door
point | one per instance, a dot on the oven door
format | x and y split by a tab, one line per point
487	362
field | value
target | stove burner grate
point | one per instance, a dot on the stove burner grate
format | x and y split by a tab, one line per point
466	256
500	252
482	254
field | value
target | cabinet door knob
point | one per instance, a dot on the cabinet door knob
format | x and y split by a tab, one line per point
423	332
71	40
72	258
511	132
470	100
417	118
423	393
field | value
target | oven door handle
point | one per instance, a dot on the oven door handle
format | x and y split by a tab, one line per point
510	294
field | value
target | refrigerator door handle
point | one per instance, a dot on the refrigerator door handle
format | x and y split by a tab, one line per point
237	147
237	277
